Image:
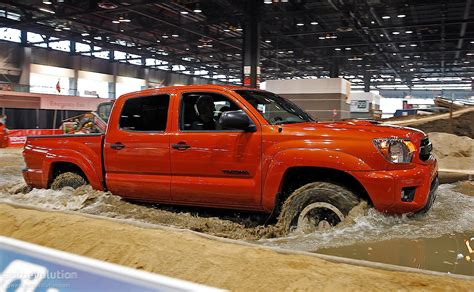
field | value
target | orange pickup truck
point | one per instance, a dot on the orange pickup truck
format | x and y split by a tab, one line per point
239	148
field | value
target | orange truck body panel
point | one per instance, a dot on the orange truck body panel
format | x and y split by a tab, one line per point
149	169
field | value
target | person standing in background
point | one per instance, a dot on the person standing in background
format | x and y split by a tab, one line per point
3	132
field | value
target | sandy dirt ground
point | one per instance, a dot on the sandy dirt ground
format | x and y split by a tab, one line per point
191	257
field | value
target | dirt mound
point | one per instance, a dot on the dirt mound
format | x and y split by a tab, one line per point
462	125
449	145
453	152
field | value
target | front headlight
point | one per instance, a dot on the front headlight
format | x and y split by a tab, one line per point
395	150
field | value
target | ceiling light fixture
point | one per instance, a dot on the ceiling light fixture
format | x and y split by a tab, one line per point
184	12
175	35
385	17
337	49
121	19
409	31
47	10
197	8
395	32
413	45
322	38
267	2
300	24
47	2
268	41
401	15
314	23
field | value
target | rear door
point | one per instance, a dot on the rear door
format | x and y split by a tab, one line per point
136	148
212	166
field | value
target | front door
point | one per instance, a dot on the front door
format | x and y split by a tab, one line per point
136	150
211	165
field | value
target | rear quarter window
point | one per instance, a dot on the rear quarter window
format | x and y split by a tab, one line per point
149	113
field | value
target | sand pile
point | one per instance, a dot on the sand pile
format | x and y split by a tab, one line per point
453	152
194	258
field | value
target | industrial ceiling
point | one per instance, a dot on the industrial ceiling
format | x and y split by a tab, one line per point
393	42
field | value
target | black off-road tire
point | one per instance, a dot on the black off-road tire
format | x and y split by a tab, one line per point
68	179
316	192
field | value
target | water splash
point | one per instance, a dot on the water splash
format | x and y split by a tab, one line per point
452	212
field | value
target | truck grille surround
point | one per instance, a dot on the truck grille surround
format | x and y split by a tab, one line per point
425	149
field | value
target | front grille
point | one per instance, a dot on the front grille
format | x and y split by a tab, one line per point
425	149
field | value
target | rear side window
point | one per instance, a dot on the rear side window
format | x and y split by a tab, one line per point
149	113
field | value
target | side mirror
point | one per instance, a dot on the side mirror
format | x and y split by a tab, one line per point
236	120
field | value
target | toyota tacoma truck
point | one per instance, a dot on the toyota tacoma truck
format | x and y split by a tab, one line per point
239	148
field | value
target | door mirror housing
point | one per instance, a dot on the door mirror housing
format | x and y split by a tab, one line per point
237	120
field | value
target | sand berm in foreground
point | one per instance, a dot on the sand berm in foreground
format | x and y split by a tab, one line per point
191	257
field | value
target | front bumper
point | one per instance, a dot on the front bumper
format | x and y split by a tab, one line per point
385	187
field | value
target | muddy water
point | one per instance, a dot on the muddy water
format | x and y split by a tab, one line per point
442	240
450	253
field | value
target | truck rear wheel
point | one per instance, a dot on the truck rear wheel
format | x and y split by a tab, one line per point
68	179
316	206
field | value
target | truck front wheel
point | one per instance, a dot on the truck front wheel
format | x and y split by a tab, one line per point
68	179
316	206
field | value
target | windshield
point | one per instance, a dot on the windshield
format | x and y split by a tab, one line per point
275	109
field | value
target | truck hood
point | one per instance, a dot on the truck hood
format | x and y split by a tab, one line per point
354	128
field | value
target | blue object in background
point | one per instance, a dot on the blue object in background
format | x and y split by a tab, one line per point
29	267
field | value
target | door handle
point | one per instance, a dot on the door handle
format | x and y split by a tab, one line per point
181	146
117	146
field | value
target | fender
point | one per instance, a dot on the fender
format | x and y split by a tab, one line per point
304	157
85	159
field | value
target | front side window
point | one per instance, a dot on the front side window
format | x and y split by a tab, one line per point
149	113
275	109
200	111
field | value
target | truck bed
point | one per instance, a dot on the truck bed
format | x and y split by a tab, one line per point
48	155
